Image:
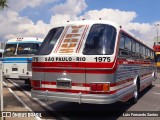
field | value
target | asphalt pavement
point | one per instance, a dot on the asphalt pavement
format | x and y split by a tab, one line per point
13	107
149	102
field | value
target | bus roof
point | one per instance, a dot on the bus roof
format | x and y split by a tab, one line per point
91	22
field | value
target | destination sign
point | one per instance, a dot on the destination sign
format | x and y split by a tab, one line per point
72	59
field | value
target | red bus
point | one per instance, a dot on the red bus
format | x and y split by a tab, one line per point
91	62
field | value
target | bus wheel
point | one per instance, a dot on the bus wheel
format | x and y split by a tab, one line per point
155	75
135	98
136	93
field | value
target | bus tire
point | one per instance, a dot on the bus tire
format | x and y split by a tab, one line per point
136	92
155	75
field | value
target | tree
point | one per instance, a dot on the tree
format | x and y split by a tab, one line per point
3	4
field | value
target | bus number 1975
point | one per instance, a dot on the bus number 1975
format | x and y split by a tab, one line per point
102	59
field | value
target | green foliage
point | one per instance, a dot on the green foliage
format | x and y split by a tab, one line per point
3	4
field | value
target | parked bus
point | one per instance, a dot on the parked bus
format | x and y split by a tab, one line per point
158	61
91	62
17	59
157	51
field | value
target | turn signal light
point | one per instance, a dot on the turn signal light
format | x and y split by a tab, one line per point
99	87
106	87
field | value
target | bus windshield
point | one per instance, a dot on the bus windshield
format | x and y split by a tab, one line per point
50	40
27	48
10	49
100	40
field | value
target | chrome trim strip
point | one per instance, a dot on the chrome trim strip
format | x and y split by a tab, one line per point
69	68
84	98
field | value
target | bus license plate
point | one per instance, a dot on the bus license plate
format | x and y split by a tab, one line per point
64	83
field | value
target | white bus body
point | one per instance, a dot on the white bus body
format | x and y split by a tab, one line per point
18	57
91	62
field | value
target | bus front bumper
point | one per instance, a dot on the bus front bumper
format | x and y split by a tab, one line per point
24	76
82	98
6	76
12	76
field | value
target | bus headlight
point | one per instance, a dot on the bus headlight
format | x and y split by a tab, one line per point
100	87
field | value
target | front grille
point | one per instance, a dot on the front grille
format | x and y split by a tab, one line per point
14	69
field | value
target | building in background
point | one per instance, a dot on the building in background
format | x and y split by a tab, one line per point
156	48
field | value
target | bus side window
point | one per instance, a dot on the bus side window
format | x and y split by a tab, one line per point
137	50
141	51
133	49
128	44
147	57
125	46
121	46
149	54
144	53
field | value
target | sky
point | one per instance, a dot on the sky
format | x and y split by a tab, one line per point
34	18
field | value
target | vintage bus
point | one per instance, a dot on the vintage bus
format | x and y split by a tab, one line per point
17	59
158	61
91	62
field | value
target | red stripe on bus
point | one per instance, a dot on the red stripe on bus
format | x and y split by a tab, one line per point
61	39
83	64
79	67
83	35
62	90
74	64
37	70
73	91
95	71
121	82
124	60
78	91
38	64
48	82
73	84
88	84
